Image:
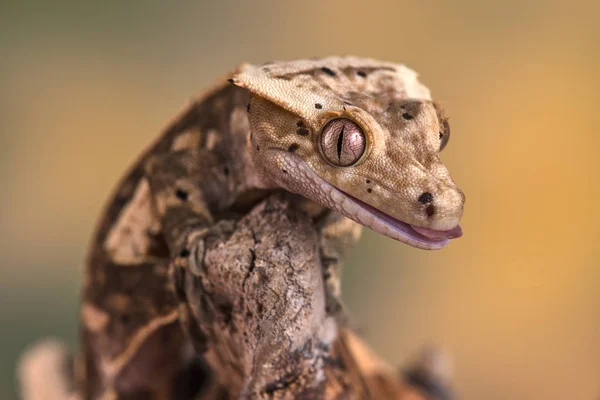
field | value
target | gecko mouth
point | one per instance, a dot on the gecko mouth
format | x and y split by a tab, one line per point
387	225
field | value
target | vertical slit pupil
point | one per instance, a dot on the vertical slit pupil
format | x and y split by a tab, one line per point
340	142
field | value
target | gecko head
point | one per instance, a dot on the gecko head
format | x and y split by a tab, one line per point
358	136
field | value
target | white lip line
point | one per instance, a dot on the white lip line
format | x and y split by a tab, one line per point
352	209
400	231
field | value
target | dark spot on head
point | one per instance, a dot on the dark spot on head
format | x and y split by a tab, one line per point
248	107
407	116
226	170
369	190
266	69
318	106
430	210
293	147
328	71
300	124
425	198
284	171
368	181
300	85
257	148
362	74
184	253
181	194
230	80
302	132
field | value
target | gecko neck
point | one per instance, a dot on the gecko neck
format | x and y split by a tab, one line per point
254	176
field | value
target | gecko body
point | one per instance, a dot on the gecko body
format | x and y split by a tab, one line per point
357	139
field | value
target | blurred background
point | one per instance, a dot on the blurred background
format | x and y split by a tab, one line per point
516	301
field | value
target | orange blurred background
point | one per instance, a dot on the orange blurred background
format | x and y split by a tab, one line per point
516	301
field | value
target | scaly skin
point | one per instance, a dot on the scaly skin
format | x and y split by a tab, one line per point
399	174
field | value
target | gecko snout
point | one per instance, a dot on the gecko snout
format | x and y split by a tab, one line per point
442	209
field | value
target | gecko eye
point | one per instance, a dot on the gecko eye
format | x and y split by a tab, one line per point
444	134
342	142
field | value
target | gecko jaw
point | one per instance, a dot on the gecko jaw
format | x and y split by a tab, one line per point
318	190
387	225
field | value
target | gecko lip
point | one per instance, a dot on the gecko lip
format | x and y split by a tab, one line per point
422	238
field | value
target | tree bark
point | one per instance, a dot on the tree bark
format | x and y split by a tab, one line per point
262	308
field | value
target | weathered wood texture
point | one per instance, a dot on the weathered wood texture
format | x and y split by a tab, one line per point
262	311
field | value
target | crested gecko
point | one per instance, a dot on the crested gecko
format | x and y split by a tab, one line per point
356	138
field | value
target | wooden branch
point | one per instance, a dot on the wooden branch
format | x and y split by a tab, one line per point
263	313
259	298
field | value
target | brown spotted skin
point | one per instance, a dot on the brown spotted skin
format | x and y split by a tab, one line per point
257	133
122	300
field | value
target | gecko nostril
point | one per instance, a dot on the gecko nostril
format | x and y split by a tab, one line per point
425	198
430	210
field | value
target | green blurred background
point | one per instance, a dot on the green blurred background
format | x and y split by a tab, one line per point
83	88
